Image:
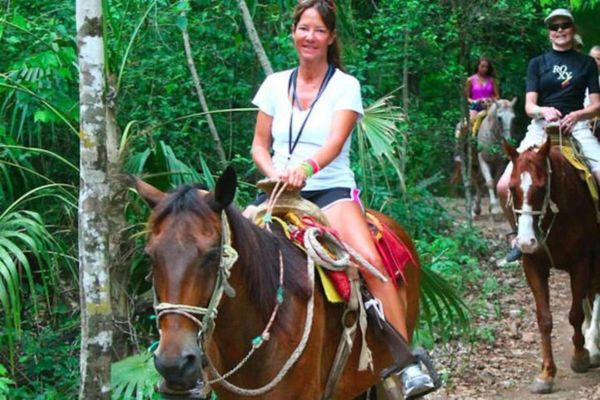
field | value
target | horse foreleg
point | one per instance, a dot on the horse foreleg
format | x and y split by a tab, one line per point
477	204
580	361
537	278
591	327
489	183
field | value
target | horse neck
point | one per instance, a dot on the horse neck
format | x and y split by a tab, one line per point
490	131
255	278
566	186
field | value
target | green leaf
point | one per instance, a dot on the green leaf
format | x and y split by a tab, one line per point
182	22
42	116
133	376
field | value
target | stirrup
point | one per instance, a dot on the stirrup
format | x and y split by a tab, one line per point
421	357
424	358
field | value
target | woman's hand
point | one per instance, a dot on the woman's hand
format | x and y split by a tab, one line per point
294	177
568	122
550	114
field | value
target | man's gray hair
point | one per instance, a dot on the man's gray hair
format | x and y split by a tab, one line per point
595	48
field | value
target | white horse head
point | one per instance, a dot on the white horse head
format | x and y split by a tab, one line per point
506	114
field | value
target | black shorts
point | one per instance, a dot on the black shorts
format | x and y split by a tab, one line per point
321	198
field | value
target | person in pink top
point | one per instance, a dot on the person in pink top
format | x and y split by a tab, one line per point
481	87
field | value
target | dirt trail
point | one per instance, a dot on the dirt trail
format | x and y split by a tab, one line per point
504	366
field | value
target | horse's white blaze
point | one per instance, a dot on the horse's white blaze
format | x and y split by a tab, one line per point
526	235
592	330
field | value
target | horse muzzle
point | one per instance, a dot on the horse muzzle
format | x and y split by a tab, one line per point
527	244
181	370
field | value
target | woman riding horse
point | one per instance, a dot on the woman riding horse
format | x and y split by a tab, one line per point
238	309
306	117
556	86
480	89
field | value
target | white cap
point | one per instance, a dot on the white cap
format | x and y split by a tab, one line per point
559	12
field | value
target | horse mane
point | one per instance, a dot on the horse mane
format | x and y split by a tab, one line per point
258	249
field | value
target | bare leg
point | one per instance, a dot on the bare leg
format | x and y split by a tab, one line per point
502	190
347	219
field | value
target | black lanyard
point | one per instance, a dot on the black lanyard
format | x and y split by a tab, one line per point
292	84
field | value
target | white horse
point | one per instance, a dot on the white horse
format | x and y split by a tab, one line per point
497	125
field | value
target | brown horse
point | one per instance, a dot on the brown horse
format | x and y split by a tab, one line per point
185	244
556	228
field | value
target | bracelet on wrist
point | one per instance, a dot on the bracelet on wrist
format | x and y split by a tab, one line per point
307	168
314	164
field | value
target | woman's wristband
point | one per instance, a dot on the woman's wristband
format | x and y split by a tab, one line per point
310	167
537	112
314	164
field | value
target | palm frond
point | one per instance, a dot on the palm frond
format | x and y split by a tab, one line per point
23	239
442	310
379	135
134	377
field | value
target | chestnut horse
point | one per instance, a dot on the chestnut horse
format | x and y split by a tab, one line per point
185	244
557	228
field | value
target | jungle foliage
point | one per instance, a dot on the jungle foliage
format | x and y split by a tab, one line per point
419	52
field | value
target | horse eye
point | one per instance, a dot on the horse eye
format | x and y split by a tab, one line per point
212	256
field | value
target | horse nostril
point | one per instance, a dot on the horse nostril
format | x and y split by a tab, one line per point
189	363
532	242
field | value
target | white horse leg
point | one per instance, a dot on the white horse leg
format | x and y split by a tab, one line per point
489	182
592	329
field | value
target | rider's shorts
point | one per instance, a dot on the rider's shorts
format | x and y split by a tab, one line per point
322	198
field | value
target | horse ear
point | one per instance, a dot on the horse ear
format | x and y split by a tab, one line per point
545	149
513	101
225	189
510	151
151	195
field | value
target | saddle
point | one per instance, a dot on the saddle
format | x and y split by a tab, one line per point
295	211
570	150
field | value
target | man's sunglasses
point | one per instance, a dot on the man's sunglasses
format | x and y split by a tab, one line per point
561	25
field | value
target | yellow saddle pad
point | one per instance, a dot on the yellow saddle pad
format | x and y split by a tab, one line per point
584	172
477	122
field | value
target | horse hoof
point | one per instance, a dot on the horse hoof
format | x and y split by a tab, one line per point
496	210
580	364
595	360
541	387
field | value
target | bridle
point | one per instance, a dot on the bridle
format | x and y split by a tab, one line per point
547	204
208	315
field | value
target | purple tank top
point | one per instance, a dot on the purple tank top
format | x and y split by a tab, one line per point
481	90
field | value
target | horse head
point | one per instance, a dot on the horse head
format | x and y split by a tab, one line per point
184	245
504	110
530	189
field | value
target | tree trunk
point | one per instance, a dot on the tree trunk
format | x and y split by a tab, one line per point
200	93
254	39
119	246
94	282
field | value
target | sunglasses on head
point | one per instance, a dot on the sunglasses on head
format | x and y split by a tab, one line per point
560	25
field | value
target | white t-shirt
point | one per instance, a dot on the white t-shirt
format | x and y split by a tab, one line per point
342	93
